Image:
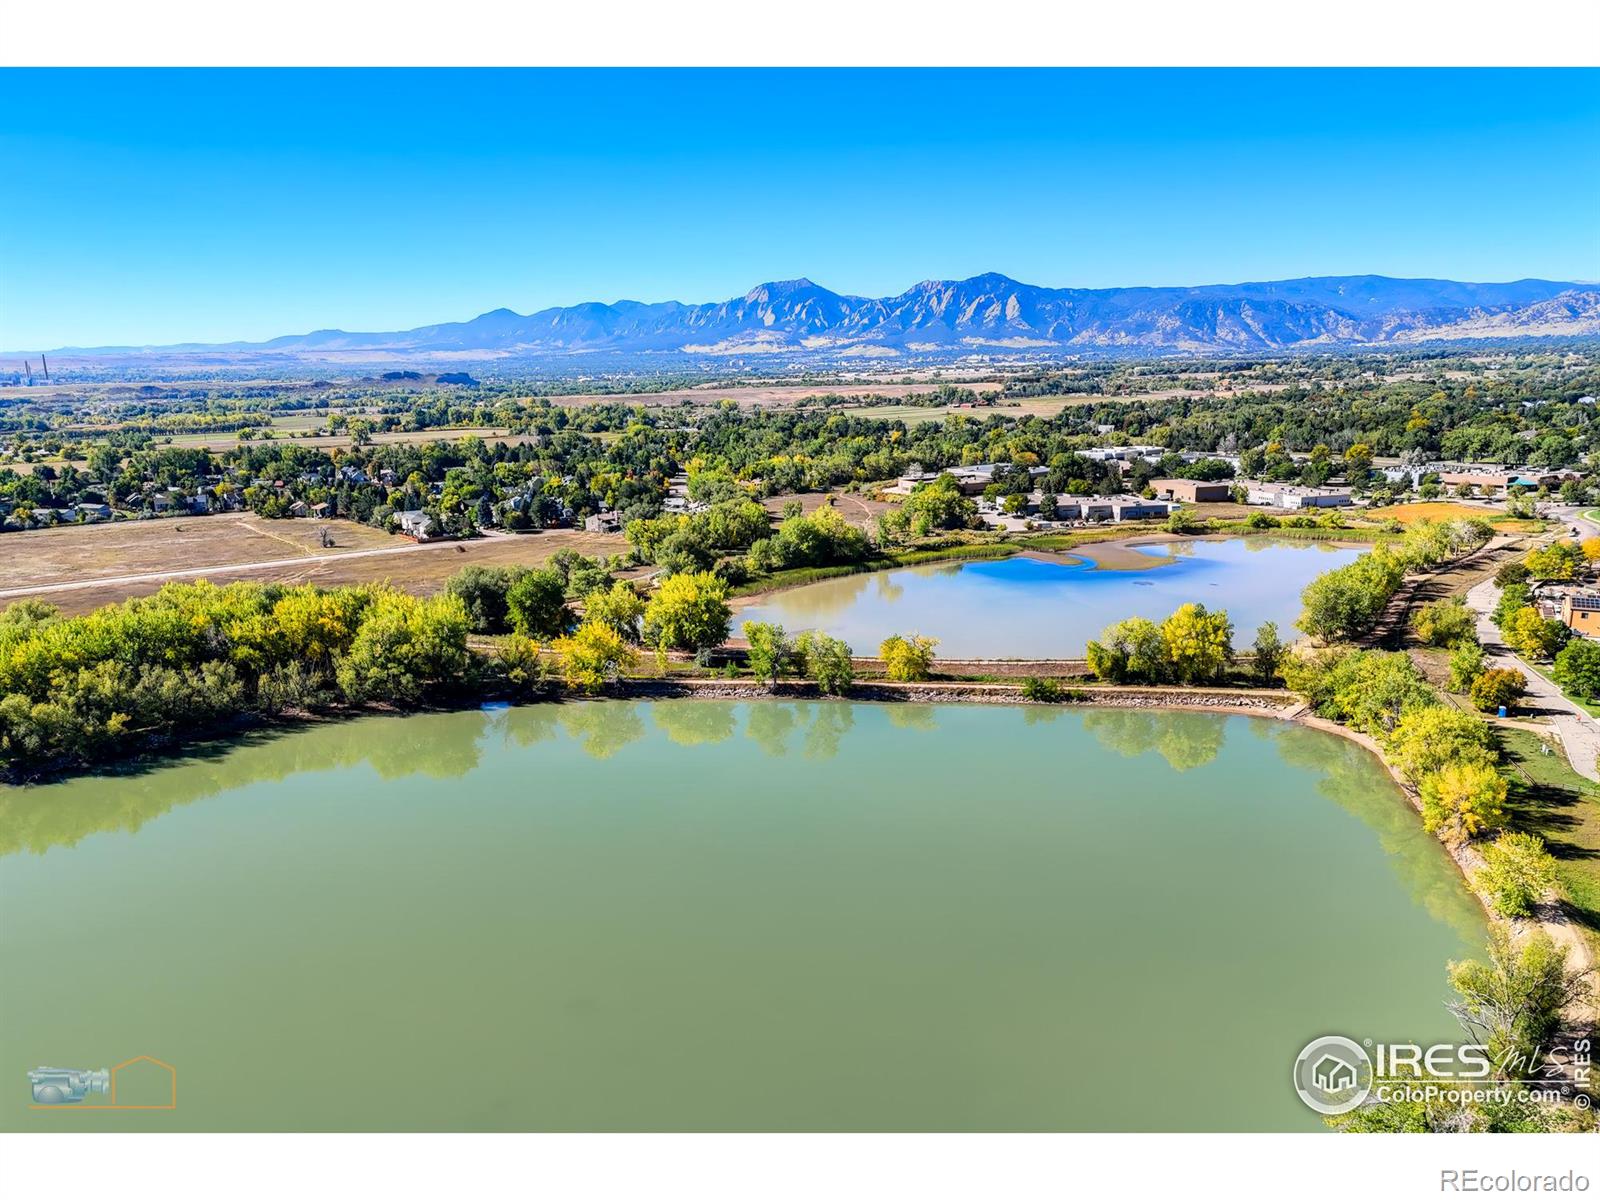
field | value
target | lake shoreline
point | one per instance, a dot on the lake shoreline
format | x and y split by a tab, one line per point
1111	553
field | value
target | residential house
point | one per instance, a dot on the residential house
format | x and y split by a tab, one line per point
1581	614
414	523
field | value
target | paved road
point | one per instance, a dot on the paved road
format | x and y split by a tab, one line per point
1578	731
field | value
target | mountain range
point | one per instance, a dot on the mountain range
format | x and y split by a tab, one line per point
987	314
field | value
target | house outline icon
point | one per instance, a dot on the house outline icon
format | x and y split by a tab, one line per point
114	1106
1333	1074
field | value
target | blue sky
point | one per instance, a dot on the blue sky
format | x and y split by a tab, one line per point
160	206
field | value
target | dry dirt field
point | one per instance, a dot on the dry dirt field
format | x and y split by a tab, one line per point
858	510
78	568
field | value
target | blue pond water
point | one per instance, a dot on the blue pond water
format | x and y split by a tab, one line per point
1025	608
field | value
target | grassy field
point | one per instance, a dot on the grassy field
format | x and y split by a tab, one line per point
1547	797
1431	510
223	549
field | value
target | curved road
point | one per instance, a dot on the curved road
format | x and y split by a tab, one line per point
1578	731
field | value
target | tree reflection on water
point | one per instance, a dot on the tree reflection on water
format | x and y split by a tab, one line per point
1186	740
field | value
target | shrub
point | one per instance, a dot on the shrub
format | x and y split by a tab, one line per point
1462	800
520	663
1517	873
1181	520
1261	520
1041	691
293	687
1498	687
907	660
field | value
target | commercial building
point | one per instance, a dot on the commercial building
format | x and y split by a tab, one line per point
1282	495
1192	491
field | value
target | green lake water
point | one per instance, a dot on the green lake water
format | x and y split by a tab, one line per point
697	915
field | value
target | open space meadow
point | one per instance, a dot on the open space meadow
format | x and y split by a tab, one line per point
78	568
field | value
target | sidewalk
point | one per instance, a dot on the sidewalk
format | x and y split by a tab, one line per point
1578	731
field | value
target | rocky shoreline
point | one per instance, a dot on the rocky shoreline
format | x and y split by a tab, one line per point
1257	701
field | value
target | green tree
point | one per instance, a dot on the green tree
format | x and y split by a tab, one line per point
1268	649
772	652
1466	664
1512	1003
619	607
1532	635
1577	668
1557	561
1510	573
1444	622
1197	645
594	656
688	612
1498	687
1517	873
483	591
826	661
1462	800
536	604
405	648
1346	602
907	659
1427	739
